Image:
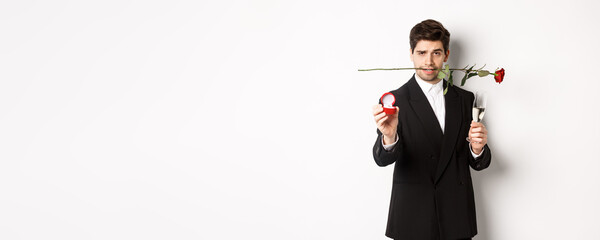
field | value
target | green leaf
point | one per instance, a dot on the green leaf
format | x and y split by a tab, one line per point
445	72
483	73
467	75
464	80
441	75
446	90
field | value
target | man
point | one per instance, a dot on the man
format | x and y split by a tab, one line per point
432	193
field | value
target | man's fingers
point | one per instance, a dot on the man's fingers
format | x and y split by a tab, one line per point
381	121
377	109
474	130
478	139
397	111
477	125
479	130
379	116
477	135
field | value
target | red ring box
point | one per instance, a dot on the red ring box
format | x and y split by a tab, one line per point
388	101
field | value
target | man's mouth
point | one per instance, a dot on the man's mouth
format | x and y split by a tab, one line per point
428	70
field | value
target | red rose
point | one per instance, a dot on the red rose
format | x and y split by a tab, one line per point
499	75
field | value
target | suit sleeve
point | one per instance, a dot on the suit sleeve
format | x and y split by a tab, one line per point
383	157
483	161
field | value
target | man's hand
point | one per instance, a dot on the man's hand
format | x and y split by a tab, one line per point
478	136
387	124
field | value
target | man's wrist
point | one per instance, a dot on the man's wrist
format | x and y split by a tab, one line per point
389	140
476	152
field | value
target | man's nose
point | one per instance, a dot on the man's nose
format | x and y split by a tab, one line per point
429	59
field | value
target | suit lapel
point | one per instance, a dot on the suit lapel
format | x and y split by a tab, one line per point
420	105
451	132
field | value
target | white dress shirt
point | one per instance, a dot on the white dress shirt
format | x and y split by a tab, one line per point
435	96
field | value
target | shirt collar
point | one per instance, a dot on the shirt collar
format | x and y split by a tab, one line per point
428	87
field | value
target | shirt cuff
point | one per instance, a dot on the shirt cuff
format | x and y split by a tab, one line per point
472	153
390	146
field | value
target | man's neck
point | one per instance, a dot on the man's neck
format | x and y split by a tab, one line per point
432	82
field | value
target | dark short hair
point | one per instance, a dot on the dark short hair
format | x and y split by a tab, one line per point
430	30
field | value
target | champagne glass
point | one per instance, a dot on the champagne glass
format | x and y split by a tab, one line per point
479	107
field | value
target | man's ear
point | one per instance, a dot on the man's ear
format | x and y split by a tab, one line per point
411	55
447	55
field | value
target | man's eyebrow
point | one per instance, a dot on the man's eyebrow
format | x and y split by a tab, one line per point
434	50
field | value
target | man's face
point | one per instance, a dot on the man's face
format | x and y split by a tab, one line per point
429	55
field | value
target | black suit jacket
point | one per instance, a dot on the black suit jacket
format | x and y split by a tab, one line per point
432	193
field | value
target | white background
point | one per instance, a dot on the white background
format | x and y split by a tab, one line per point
249	119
